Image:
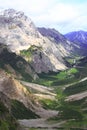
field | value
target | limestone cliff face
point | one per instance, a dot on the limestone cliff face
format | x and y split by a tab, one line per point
19	33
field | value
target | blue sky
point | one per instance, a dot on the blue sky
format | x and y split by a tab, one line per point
63	15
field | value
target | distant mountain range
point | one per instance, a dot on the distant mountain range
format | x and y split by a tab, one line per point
78	37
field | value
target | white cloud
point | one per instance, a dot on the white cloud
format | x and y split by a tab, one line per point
31	6
62	12
59	13
64	17
80	23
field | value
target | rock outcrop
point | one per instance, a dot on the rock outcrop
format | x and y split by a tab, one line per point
14	90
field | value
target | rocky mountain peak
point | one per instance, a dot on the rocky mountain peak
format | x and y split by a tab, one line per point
11	13
11	16
17	30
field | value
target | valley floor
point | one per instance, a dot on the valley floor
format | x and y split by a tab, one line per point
43	123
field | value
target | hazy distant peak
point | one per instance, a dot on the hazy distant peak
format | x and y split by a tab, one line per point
79	37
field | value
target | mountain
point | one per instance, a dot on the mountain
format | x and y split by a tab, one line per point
72	42
79	37
57	37
19	33
52	33
60	40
